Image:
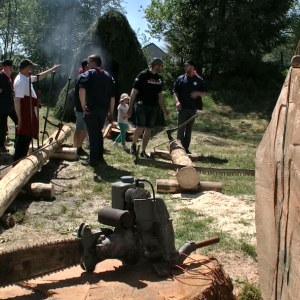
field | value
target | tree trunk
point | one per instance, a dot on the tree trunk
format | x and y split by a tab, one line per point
166	155
187	176
12	183
171	186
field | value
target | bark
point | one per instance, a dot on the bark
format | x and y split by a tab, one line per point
13	182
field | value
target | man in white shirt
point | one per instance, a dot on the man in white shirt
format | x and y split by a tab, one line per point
22	107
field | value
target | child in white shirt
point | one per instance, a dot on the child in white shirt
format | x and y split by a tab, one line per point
122	120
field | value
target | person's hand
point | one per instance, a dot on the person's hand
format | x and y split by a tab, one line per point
129	113
86	110
178	105
55	67
110	117
19	126
195	95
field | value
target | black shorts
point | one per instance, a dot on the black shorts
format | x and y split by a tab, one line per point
145	115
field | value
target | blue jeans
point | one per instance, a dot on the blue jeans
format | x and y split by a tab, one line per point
184	134
122	136
94	124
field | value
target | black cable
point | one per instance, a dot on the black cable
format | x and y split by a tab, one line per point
145	180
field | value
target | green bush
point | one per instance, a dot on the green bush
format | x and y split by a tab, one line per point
250	292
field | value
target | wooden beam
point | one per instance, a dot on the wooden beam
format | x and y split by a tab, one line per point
12	183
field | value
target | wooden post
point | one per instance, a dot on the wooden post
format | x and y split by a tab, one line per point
64	153
12	183
187	176
171	186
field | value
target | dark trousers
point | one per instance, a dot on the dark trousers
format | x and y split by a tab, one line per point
3	125
94	124
21	146
184	134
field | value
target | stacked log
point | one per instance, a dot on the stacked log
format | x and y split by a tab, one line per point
187	176
13	182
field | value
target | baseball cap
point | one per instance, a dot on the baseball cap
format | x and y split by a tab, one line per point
26	63
7	62
123	97
156	61
190	62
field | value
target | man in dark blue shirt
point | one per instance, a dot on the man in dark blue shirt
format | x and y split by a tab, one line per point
97	97
189	89
80	129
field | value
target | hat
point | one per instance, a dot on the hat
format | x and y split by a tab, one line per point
26	63
190	62
123	97
156	61
7	62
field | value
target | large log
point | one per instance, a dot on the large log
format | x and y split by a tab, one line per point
157	153
277	212
187	176
64	153
12	183
171	186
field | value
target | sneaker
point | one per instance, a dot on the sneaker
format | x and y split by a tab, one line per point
188	151
133	149
115	144
144	154
90	163
125	148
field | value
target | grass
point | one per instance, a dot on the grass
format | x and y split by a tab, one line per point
250	292
224	138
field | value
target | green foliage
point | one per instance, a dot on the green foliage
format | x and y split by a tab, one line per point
250	292
249	249
112	38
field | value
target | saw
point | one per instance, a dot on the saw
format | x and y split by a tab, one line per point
142	228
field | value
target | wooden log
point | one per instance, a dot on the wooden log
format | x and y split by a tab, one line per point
277	212
65	153
172	186
157	153
187	176
39	190
12	183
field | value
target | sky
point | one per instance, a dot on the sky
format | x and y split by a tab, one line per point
136	18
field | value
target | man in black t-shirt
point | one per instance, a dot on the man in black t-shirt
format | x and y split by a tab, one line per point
80	128
6	101
97	98
189	89
145	96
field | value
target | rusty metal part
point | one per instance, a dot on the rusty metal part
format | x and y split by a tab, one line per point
165	165
34	261
115	217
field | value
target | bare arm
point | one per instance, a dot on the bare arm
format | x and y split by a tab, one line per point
82	95
133	95
198	94
17	104
45	73
110	116
162	103
177	103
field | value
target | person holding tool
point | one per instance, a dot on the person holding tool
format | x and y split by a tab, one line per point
26	98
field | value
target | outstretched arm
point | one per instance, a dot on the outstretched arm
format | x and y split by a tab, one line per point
45	73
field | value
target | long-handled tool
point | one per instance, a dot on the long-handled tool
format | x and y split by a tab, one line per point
60	125
48	105
31	116
38	109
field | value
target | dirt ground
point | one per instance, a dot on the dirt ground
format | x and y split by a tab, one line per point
235	215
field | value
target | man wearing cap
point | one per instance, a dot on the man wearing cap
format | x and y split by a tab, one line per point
6	101
189	89
80	127
145	96
97	97
22	107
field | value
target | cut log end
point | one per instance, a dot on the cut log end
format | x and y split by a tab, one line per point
187	177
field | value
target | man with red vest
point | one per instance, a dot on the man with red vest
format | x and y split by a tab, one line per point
22	107
6	101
